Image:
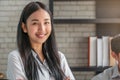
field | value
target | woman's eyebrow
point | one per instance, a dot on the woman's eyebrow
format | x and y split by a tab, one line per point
47	19
34	20
38	20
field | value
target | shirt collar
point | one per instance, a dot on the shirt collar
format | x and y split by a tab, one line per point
36	57
115	72
44	62
34	53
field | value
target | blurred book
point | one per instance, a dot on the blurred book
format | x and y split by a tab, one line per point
99	52
92	51
106	50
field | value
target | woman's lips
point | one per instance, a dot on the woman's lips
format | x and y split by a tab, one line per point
40	35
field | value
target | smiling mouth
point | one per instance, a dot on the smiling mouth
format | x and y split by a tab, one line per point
40	35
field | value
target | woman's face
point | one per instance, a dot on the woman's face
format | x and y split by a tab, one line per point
38	27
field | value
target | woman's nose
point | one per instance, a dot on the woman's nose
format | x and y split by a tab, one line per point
41	27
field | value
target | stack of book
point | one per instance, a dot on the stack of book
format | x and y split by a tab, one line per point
99	52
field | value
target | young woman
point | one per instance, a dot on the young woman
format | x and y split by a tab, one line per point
37	56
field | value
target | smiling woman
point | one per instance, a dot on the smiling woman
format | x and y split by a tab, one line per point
37	56
38	28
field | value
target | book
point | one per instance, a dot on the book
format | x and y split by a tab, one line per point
106	50
92	51
99	52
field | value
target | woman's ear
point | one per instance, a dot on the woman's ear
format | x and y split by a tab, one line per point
24	28
114	55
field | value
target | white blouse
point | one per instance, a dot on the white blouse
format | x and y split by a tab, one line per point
15	67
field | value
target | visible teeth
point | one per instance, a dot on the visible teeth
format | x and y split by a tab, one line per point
40	35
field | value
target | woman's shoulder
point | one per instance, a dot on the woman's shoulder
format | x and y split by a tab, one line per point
15	58
14	53
61	55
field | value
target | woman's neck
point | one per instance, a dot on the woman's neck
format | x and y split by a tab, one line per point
38	50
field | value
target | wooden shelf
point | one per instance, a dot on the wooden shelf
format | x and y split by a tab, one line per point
97	69
108	20
74	21
74	0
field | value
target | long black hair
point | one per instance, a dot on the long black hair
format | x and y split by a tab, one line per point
49	47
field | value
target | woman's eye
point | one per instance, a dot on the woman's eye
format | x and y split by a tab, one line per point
47	22
34	23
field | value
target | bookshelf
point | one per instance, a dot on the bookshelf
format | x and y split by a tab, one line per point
107	23
88	21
